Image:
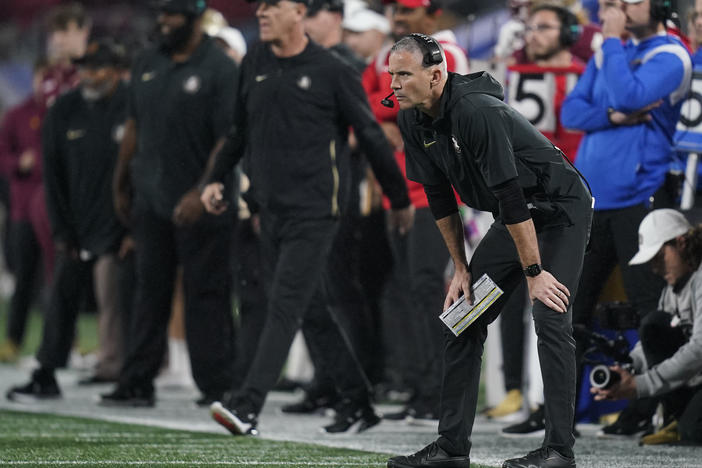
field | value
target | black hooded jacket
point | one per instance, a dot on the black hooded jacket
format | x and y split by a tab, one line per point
478	143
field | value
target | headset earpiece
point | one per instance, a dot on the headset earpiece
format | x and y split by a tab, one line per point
431	50
661	10
570	28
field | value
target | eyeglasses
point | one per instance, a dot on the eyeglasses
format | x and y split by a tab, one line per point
540	28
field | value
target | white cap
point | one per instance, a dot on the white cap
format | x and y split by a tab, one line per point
233	38
365	19
657	228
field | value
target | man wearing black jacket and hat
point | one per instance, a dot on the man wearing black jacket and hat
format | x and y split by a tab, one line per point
80	140
460	135
296	102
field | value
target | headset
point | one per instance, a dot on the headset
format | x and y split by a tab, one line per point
431	55
661	10
431	50
570	28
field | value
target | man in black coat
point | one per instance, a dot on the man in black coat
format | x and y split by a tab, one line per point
296	103
459	134
80	140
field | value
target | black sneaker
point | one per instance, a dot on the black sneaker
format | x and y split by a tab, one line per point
541	458
534	426
42	386
128	397
237	424
626	426
311	404
352	418
430	456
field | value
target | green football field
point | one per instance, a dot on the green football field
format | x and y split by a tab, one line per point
29	439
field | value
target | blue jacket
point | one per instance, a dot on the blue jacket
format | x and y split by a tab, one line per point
625	165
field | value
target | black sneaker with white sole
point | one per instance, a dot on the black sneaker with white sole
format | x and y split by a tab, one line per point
42	386
352	418
544	457
236	423
534	426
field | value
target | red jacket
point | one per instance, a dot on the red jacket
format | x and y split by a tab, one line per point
376	81
564	79
21	130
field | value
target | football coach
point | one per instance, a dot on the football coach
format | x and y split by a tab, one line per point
459	134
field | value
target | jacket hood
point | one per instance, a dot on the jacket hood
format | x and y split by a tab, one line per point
480	82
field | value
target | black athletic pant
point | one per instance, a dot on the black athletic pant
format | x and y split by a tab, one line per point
512	333
25	253
295	254
420	261
71	279
660	341
203	251
615	240
350	309
562	250
413	302
249	289
375	264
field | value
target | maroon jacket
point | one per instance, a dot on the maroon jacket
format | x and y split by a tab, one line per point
21	130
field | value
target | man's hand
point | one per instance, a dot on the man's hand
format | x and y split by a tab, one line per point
122	195
213	199
402	219
548	290
613	22
460	286
189	208
393	134
624	389
126	246
635	118
27	161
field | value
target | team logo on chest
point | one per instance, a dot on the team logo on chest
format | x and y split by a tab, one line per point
456	146
304	82
192	85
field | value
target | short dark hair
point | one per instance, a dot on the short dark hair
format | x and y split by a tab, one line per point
570	29
408	44
61	16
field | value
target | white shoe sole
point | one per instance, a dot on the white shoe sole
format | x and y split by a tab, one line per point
30	399
229	420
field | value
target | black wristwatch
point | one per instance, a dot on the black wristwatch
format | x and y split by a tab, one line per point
533	270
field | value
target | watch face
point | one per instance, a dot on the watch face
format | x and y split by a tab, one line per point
532	270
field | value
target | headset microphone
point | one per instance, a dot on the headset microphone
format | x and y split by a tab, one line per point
387	102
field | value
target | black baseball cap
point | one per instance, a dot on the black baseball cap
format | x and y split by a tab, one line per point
187	7
330	5
103	53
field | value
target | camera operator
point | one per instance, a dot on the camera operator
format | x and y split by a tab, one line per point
667	362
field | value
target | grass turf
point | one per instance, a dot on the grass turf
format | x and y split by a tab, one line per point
29	439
